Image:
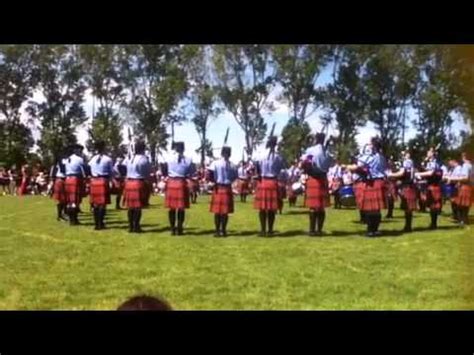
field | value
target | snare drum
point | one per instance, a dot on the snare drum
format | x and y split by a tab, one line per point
297	188
347	196
449	190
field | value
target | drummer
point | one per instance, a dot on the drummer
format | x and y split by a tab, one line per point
465	181
335	183
294	174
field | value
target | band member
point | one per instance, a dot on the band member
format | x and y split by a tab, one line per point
294	174
335	183
25	180
101	167
194	185
372	166
75	174
138	170
283	179
465	181
223	173
433	175
455	171
408	191
58	174
316	163
268	165
178	169
119	172
243	181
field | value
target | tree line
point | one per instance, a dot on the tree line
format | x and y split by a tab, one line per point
153	87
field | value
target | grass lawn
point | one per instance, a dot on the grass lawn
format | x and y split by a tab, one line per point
49	265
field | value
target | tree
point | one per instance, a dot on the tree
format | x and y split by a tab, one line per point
17	82
244	82
156	78
203	101
295	138
103	76
297	68
389	78
344	100
61	112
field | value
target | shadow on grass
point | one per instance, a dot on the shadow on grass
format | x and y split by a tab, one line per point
296	212
158	230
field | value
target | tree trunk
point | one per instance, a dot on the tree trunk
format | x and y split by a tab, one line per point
203	148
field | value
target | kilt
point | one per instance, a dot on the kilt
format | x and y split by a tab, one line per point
267	195
408	197
373	196
359	193
281	190
118	185
391	189
134	194
290	193
434	197
243	186
99	191
193	185
464	196
222	200
335	185
74	190
177	194
316	194
59	190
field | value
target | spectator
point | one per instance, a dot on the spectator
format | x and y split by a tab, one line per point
144	303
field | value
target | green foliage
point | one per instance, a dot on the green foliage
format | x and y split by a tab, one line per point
244	83
295	138
85	269
16	141
297	69
62	85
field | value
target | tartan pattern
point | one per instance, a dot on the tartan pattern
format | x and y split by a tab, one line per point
391	189
408	198
358	193
59	190
73	190
266	195
316	193
222	200
434	197
243	186
282	190
465	196
134	193
177	194
373	196
99	191
193	185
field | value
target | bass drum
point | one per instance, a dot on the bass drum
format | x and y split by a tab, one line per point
297	188
347	196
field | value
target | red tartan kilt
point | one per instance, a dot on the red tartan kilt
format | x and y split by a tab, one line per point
117	186
316	194
359	193
193	185
282	190
99	191
59	190
74	190
134	193
222	200
434	197
243	186
177	194
335	185
408	197
373	196
464	196
391	189
267	195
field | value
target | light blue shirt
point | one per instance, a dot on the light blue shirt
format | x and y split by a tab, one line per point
433	165
376	163
320	159
242	172
466	170
59	173
102	168
457	171
184	168
74	165
116	170
270	163
138	167
224	171
408	164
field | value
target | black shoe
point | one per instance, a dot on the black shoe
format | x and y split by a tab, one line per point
433	227
407	230
180	232
370	234
262	234
217	234
270	234
312	234
173	231
377	234
224	234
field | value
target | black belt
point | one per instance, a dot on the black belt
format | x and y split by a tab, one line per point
269	177
135	178
101	177
74	175
224	185
178	177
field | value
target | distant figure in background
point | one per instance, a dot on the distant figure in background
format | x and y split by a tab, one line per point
454	171
294	174
283	179
144	303
25	180
12	176
4	180
193	182
243	181
58	175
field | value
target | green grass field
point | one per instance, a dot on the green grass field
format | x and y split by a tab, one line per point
49	265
